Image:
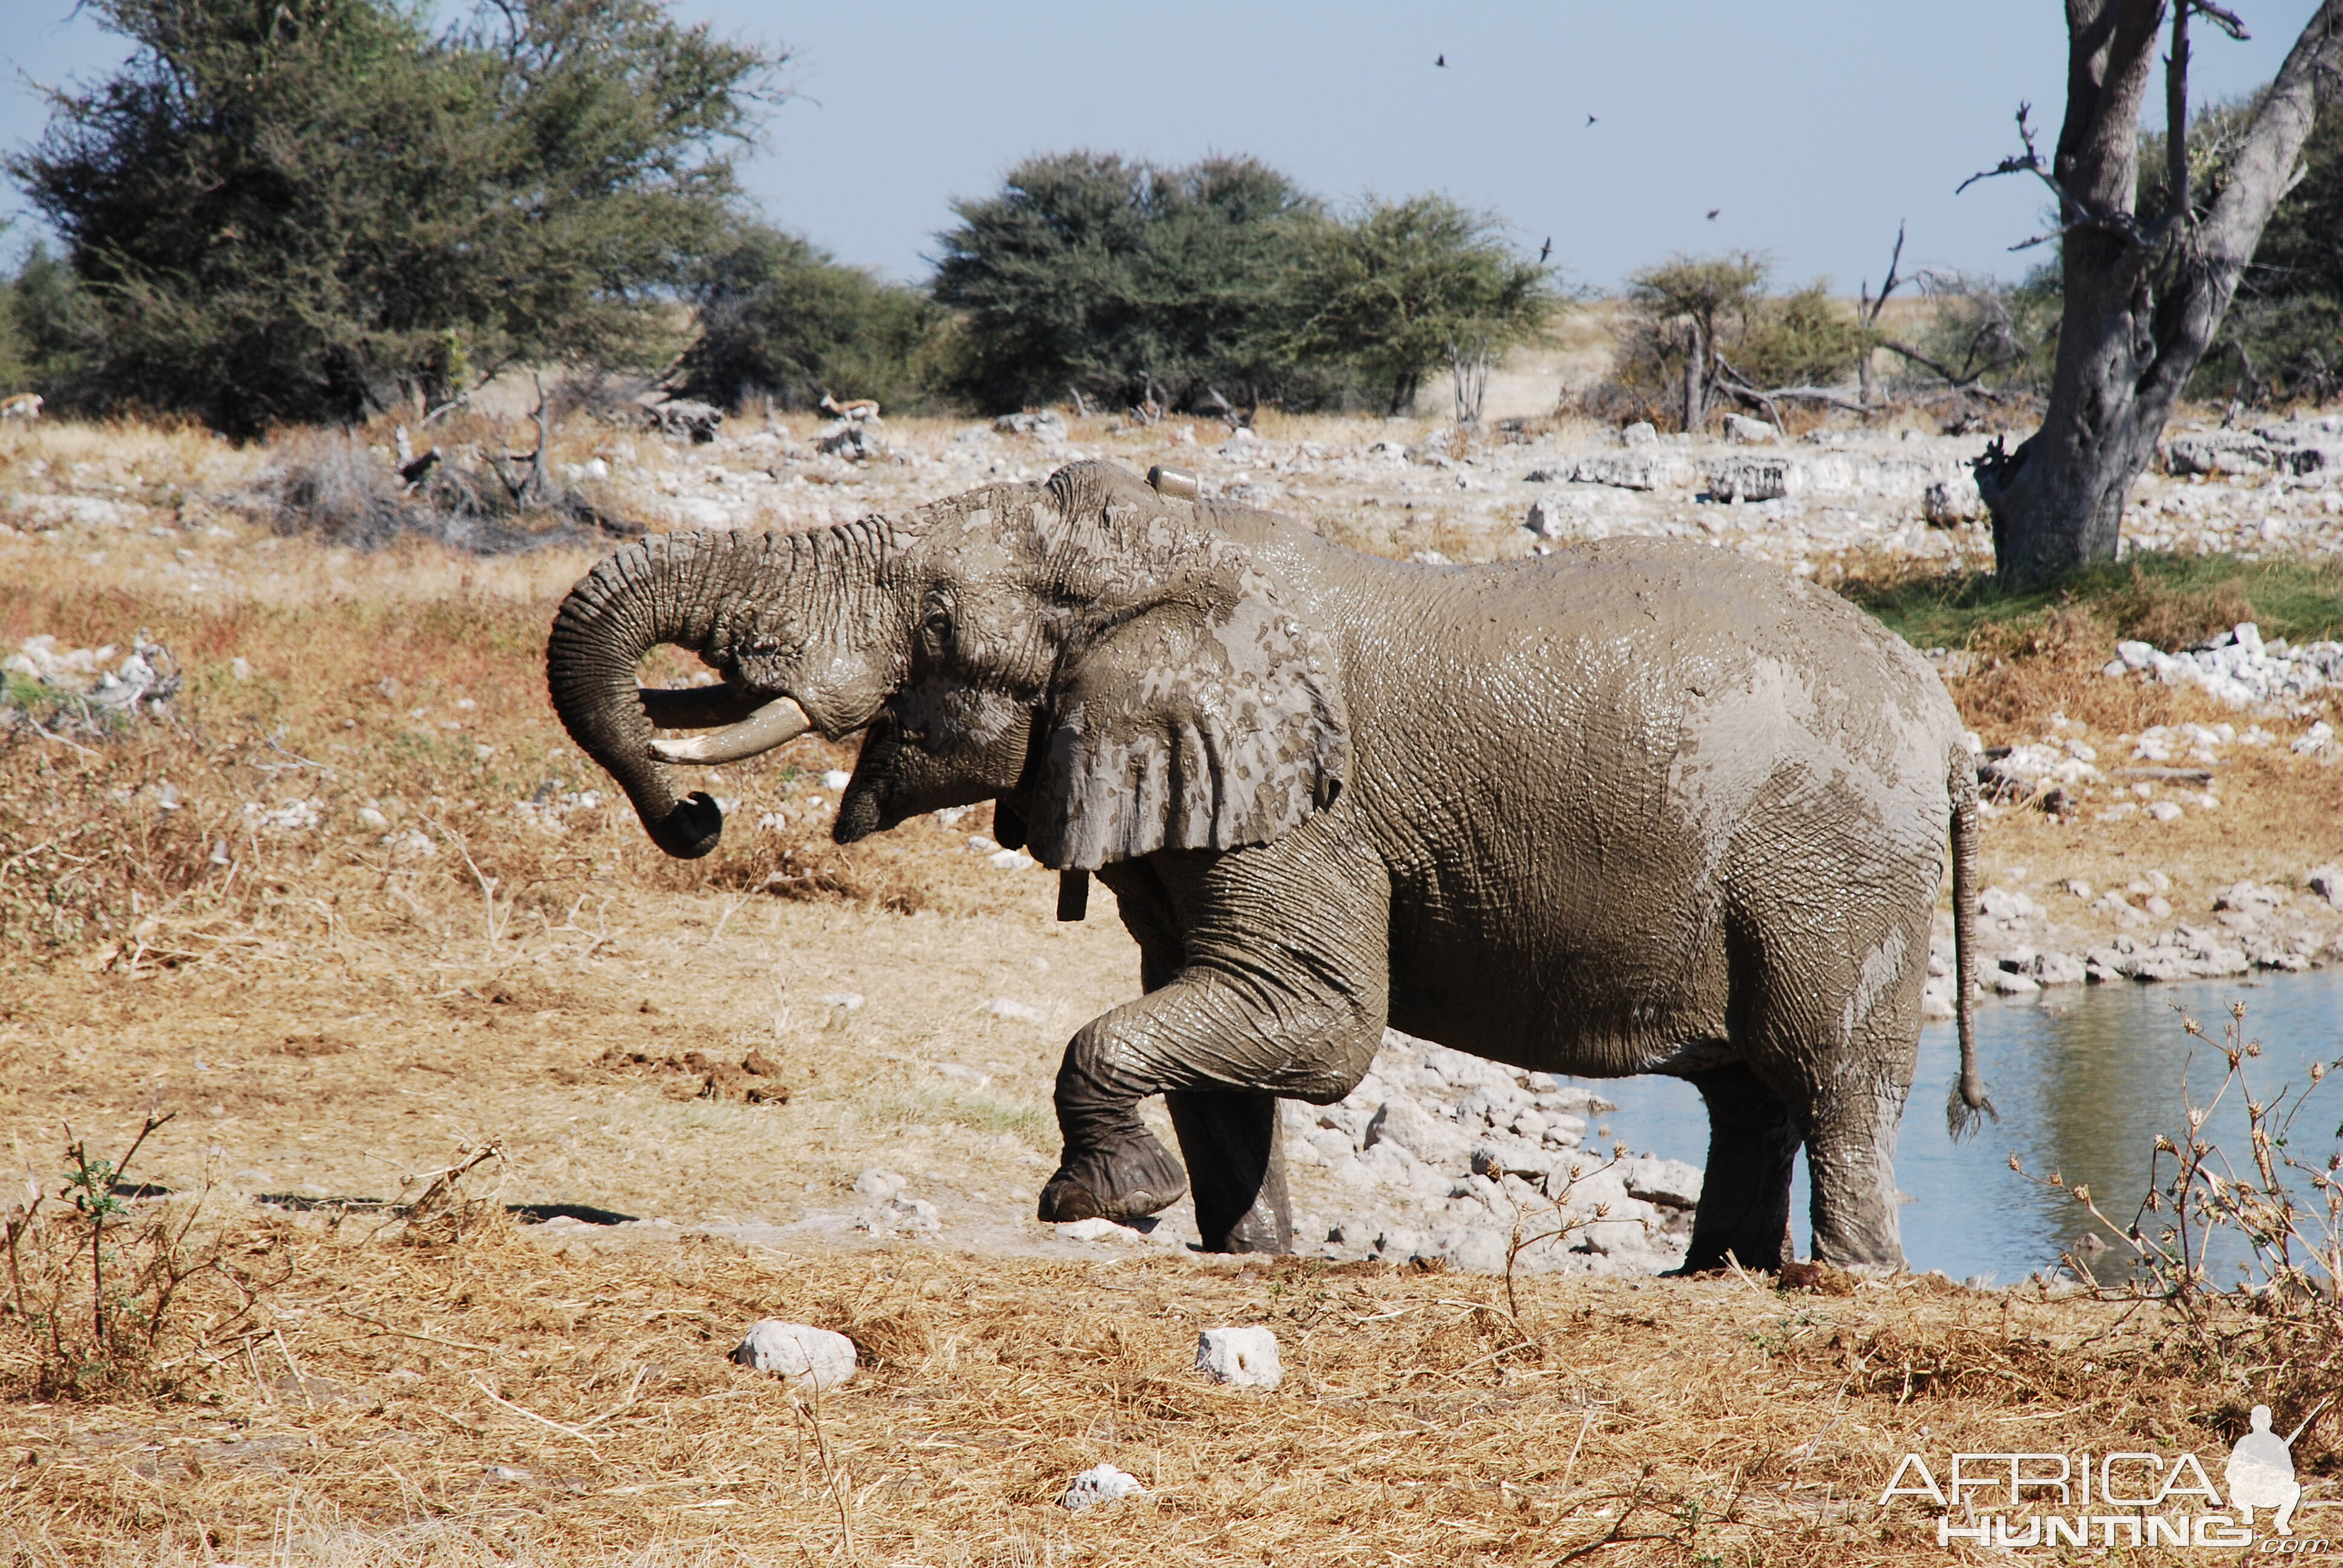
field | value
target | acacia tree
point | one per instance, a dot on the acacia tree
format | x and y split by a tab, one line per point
1400	287
1684	308
1121	280
779	315
2143	293
303	209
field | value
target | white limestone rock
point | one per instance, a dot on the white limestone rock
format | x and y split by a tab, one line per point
1405	1122
1669	1183
801	1355
1239	1357
1754	478
1100	1484
1950	503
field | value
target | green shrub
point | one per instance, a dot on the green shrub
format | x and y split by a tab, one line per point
1123	281
1714	315
781	319
1406	285
294	210
2282	338
1805	338
1095	275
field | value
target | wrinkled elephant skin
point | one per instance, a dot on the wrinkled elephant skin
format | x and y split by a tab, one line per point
1635	806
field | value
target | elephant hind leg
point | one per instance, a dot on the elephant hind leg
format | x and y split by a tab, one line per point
1745	1197
1236	1161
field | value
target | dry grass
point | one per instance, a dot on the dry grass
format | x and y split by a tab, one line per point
497	1400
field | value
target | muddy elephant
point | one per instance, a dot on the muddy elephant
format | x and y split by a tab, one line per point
1635	807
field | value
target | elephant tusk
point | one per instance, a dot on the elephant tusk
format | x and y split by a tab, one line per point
1175	482
777	723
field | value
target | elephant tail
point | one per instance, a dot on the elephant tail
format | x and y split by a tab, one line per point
1969	1097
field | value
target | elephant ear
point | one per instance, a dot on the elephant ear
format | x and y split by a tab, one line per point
1206	721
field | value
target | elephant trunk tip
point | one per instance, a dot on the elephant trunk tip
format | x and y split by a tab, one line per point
693	827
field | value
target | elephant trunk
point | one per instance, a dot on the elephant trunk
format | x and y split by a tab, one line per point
667	589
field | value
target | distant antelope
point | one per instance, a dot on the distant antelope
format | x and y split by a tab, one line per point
854	408
22	406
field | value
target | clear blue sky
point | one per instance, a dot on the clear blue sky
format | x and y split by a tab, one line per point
1812	125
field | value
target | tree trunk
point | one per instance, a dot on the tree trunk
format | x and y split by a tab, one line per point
2141	302
1695	405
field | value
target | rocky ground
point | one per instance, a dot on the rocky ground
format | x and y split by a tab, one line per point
2203	843
1903	489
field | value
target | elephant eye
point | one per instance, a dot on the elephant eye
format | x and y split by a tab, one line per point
939	623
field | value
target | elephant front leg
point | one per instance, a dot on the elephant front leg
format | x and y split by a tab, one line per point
1280	989
1218	1051
1236	1159
1112	1168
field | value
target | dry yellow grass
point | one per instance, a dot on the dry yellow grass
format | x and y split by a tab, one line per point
335	1007
492	1399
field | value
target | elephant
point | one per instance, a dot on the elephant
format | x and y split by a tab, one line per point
1632	807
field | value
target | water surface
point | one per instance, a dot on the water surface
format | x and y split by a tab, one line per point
2085	1078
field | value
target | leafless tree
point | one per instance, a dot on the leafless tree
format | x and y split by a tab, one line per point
1869	313
2142	299
1468	367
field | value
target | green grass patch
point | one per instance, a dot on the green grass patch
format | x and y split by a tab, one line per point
51	705
933	1104
2170	600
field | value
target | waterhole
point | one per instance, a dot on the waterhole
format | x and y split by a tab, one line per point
2085	1078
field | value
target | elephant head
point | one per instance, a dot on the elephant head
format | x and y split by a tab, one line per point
1116	666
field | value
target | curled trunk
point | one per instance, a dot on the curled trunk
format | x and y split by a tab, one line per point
667	589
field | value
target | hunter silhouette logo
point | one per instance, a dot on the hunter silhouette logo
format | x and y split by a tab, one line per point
2261	1472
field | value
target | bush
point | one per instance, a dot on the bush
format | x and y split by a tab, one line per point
330	484
1711	317
1091	274
102	1302
297	210
1408	285
781	319
1803	339
2282	338
44	315
2003	334
1193	287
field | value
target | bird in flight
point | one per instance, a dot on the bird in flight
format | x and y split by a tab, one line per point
1546	250
1713	212
1590	119
1441	62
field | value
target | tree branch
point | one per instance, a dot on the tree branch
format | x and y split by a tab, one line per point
2228	21
1953	380
2176	113
2122	225
1741	386
1889	285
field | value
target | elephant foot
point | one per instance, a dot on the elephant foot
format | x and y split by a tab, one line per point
1133	1177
